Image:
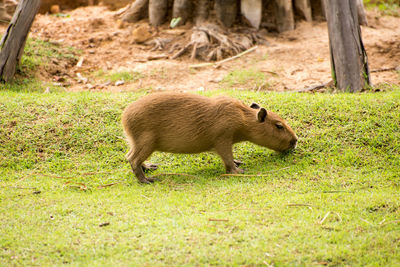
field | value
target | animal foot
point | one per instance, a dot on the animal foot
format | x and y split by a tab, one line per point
149	167
236	171
237	162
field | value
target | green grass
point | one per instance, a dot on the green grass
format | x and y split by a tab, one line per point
114	76
250	78
333	201
385	7
37	55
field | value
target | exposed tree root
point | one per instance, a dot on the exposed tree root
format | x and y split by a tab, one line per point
209	42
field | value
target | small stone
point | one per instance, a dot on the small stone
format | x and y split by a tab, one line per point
118	83
141	34
55	9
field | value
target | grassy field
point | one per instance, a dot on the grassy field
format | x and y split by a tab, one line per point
67	195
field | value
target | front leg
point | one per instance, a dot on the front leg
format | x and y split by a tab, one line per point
224	150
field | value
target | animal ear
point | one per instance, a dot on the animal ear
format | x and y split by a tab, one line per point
262	114
254	106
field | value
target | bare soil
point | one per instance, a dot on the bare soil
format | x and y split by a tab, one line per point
291	61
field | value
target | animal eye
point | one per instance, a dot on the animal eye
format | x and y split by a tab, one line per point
279	126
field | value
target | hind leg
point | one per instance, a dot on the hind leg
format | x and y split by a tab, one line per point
145	167
136	157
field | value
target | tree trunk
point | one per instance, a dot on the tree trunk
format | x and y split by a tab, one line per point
304	8
348	57
252	11
157	11
284	15
226	11
182	9
201	11
13	42
137	11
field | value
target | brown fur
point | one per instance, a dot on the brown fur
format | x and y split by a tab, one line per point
187	123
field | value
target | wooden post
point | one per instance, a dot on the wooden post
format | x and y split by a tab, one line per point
13	41
348	57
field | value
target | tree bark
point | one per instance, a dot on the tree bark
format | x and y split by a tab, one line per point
13	42
157	11
226	11
284	15
137	11
201	11
348	57
362	17
304	8
252	11
182	9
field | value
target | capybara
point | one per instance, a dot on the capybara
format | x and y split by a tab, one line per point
188	123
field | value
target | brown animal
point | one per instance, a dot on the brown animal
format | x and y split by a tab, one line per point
187	123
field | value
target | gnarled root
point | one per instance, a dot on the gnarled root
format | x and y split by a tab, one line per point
209	42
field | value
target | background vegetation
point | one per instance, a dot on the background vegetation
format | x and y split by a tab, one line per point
67	195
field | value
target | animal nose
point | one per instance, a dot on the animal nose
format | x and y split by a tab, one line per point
293	143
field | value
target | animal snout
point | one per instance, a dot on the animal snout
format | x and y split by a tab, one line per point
293	143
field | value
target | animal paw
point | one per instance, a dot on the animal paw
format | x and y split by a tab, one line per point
237	162
149	167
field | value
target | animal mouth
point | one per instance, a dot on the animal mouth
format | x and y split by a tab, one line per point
292	146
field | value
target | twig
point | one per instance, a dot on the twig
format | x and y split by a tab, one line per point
396	221
336	191
270	72
323	219
382	221
81	186
173	174
181	51
146	197
298	205
217	220
156	57
18	187
251	210
104	224
253	175
52	176
385	69
340	218
94	173
365	221
107	185
61	177
219	63
80	62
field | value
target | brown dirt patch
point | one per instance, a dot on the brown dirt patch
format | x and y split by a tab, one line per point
292	60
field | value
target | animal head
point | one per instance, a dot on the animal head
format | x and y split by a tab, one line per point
272	131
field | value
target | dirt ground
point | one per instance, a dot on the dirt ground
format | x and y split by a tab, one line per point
293	60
